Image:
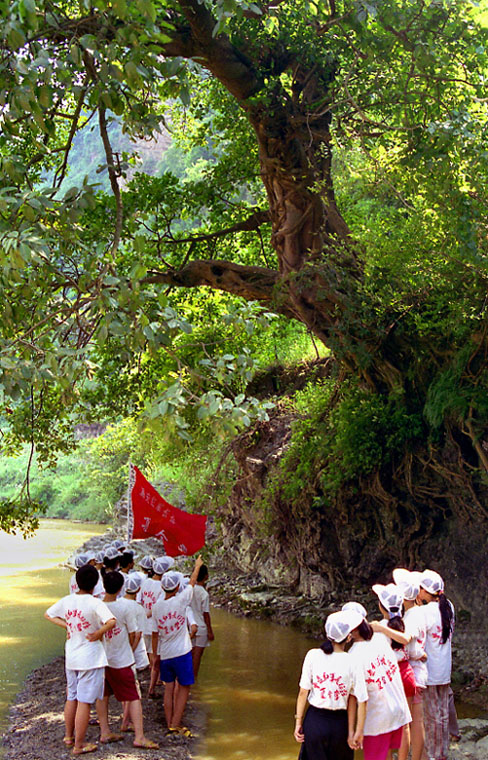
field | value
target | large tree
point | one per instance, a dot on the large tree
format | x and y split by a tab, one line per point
300	104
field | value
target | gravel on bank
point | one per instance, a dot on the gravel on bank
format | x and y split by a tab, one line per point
36	726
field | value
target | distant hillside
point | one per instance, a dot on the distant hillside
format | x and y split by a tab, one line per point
87	155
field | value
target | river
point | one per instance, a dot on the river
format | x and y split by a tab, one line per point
248	678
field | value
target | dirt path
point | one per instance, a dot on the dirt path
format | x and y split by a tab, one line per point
36	726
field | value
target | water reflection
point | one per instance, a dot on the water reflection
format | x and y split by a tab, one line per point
248	685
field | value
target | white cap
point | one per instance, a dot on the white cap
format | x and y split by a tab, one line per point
146	562
408	583
99	558
181	579
355	607
432	582
390	596
82	559
340	624
163	563
112	552
133	583
119	544
170	581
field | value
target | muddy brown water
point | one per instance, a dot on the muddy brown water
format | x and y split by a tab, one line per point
248	679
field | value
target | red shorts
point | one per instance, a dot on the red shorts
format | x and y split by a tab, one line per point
408	678
121	682
377	747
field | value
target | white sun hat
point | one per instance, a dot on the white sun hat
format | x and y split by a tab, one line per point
339	625
82	559
390	596
112	553
133	583
170	581
146	562
164	563
432	582
408	582
355	607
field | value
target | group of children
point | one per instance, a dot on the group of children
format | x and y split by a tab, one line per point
119	621
385	685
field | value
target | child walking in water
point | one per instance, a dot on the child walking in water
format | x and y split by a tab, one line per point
332	688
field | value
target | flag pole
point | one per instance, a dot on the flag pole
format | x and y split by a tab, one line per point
130	514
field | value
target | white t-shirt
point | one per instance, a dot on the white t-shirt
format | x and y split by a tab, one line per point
84	614
169	620
150	593
73	586
330	678
387	705
116	642
200	604
439	655
415	626
140	652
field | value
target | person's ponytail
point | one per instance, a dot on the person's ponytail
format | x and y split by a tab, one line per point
327	646
396	623
447	617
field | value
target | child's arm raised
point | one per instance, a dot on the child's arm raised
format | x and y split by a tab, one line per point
194	575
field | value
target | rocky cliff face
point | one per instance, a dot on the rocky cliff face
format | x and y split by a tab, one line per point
328	558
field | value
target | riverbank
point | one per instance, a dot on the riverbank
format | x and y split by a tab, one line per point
36	727
251	595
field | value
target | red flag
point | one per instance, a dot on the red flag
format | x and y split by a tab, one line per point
151	515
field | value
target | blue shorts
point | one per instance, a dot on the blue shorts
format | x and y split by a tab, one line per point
180	668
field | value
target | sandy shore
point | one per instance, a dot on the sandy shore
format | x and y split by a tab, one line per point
36	727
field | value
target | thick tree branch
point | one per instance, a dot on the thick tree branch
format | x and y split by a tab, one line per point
250	282
216	53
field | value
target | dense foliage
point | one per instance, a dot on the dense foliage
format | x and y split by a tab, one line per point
328	166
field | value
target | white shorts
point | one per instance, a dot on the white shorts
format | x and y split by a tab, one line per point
148	642
85	685
201	639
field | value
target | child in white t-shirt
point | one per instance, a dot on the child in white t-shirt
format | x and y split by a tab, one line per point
201	609
150	592
439	624
387	710
172	644
86	619
120	678
332	688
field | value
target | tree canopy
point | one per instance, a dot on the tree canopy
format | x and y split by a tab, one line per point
339	181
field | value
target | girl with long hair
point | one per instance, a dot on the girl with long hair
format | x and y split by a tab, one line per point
439	619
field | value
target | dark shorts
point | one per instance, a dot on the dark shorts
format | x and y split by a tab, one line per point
121	682
180	668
